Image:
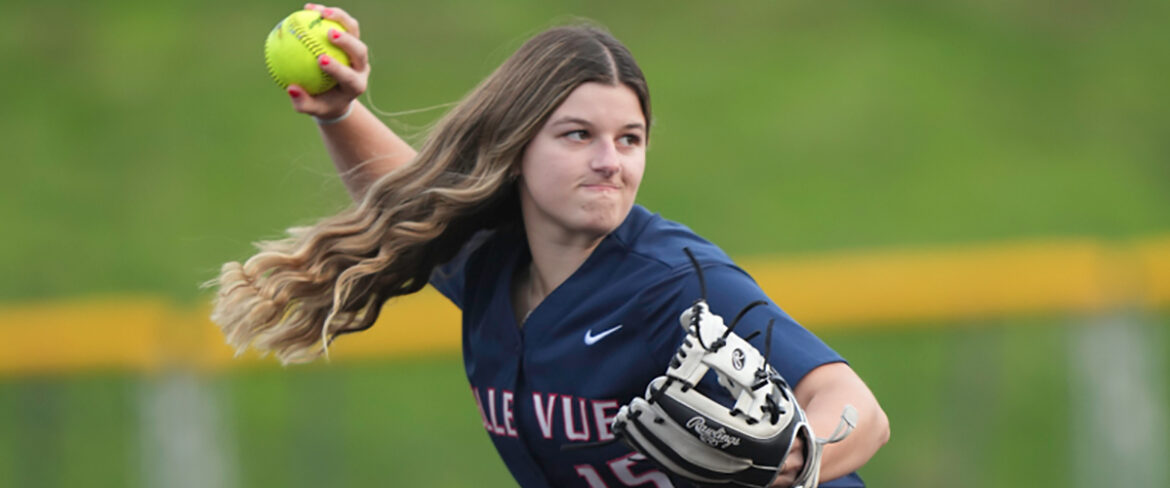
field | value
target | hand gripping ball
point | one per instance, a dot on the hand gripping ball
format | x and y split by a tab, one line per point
292	49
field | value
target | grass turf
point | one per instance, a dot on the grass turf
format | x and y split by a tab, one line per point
150	147
971	404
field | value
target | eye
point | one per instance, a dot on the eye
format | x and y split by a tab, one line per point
576	135
630	140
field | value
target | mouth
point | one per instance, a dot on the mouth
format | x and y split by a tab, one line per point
601	187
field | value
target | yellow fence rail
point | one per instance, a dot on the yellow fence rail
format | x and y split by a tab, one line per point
823	291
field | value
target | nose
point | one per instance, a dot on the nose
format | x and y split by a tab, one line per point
606	159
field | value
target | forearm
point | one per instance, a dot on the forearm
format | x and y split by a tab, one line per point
364	149
839	386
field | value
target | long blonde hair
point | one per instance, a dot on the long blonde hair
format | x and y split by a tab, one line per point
333	277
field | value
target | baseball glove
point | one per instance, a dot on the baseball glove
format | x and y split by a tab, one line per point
693	436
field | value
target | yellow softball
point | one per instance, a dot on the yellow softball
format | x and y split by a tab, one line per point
292	48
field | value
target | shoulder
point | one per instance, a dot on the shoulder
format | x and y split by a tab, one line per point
652	238
671	283
481	257
651	253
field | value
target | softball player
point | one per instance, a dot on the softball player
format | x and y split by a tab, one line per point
519	207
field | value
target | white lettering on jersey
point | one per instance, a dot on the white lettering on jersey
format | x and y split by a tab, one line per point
544	416
499	418
508	415
604	421
571	432
479	405
621	468
586	471
491	398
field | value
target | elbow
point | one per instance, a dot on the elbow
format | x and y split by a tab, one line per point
881	426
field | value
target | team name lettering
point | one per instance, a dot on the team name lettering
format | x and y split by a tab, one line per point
509	428
491	415
576	419
479	405
496	427
571	432
604	420
544	416
718	438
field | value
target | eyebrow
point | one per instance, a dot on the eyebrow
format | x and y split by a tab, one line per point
578	120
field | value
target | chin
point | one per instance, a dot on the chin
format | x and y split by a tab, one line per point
599	229
605	222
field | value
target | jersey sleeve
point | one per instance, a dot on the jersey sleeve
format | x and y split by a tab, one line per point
450	278
794	351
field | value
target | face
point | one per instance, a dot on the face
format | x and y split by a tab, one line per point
581	172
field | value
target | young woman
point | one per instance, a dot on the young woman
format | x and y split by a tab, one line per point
519	207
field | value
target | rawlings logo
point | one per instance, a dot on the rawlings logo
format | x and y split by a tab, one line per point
717	438
737	358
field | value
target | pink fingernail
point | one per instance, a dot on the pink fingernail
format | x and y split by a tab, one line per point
334	34
293	92
324	60
327	12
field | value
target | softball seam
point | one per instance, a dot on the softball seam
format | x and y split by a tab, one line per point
301	34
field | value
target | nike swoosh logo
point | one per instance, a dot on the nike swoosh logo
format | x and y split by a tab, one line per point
591	339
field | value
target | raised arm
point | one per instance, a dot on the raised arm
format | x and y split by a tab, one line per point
361	146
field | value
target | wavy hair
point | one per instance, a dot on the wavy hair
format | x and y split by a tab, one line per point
299	293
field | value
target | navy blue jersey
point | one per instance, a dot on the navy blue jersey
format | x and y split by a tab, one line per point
595	342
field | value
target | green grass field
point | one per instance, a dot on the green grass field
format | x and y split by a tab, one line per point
145	146
970	405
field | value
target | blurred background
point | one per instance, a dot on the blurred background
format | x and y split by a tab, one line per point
968	199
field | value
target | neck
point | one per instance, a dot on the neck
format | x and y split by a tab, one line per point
556	253
552	263
554	260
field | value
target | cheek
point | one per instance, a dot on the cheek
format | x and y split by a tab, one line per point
541	175
530	164
634	172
